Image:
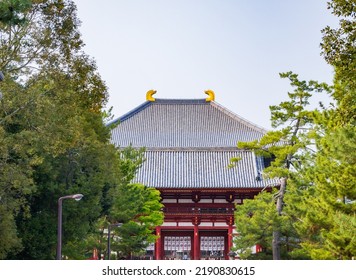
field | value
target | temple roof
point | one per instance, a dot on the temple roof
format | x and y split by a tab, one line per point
189	144
202	169
183	123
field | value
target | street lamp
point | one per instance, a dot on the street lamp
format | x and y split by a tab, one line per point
76	197
109	231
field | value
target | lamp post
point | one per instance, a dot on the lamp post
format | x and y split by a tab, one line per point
109	232
1	79
77	197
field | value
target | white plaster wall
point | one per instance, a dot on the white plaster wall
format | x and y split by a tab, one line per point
220	224
169	224
185	201
206	224
171	200
206	201
220	201
185	224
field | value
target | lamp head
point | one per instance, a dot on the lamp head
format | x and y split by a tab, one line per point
78	196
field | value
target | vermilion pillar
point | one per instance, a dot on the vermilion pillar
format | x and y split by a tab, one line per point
258	248
158	247
196	253
229	240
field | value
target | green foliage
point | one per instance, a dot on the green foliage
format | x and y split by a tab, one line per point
48	36
233	162
9	241
137	207
17	159
96	240
130	160
134	205
326	208
314	151
139	223
53	139
295	122
327	223
56	147
339	50
290	148
338	43
11	11
256	220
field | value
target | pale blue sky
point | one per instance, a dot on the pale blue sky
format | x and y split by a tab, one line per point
181	48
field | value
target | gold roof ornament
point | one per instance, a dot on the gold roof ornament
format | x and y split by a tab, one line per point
149	94
211	95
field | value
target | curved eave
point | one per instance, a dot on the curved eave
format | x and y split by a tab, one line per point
217	190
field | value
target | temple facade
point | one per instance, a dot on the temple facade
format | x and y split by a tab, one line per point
189	144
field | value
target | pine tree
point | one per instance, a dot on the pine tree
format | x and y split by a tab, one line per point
136	206
289	147
325	208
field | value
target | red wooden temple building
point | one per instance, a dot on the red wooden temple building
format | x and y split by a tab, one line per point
189	144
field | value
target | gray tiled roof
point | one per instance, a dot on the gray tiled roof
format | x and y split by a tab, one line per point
201	168
189	145
183	123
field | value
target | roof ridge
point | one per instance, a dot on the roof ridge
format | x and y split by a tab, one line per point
180	99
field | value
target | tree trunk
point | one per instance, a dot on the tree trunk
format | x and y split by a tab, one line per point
280	196
276	245
276	248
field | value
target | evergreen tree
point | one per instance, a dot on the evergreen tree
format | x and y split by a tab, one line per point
136	206
327	224
256	220
53	138
319	201
70	153
289	146
326	208
53	141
